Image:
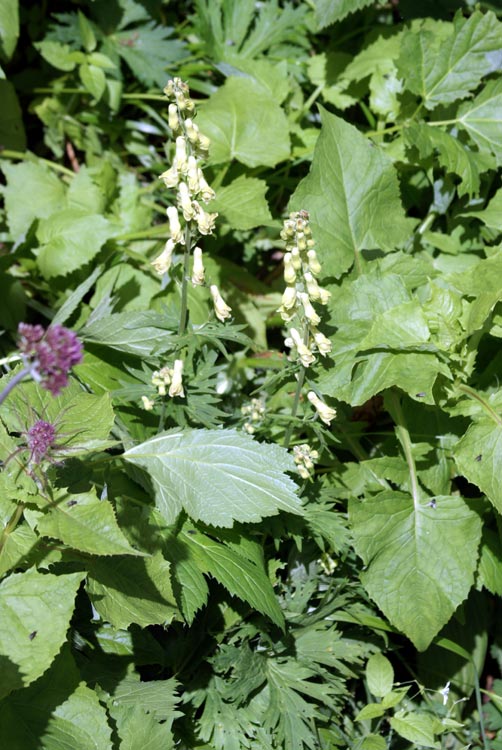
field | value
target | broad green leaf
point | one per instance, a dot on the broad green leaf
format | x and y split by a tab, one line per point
373	742
69	239
330	11
217	476
158	697
244	122
58	55
242	203
139	333
420	560
273	77
9	27
131	288
481	117
371	711
85	523
80	721
84	194
478	456
189	585
379	675
131	589
447	68
490	566
452	155
402	327
16	548
36	611
492	214
352	195
415	727
12	135
46	194
148	51
94	80
239	576
139	730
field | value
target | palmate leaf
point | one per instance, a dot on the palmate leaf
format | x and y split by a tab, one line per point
244	122
352	195
448	66
420	559
36	611
242	203
216	476
482	119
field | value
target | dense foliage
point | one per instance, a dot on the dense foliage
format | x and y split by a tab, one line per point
257	503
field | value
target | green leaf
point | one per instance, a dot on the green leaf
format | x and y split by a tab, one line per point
242	203
85	523
130	589
452	155
352	195
189	585
139	730
417	728
492	214
9	27
330	11
379	675
420	559
478	456
481	117
139	333
490	566
239	576
447	67
46	195
58	55
12	135
80	721
36	611
158	697
244	122
217	476
69	239
373	742
149	52
94	80
370	711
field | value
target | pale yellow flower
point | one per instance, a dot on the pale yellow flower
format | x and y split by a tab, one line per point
162	264
221	308
176	387
326	413
198	273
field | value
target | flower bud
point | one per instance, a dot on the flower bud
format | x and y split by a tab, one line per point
312	286
205	221
206	193
174	224
289	271
185	202
198	267
193	175
296	259
173	119
325	412
176	388
181	153
221	309
204	143
162	264
192	131
310	313
170	177
304	353
314	264
289	298
148	404
323	344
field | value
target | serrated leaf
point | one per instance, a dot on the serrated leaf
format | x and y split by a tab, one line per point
492	214
352	195
130	589
416	728
85	523
46	195
242	203
80	721
36	611
447	67
139	730
158	697
244	122
69	239
149	51
331	11
490	566
420	559
217	476
478	456
189	585
239	576
371	711
379	675
482	119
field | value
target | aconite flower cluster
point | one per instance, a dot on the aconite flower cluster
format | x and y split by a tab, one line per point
300	299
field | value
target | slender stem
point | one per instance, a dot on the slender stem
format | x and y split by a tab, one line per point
146	234
294	408
26	156
15	380
184	281
479	705
11	525
394	407
476	397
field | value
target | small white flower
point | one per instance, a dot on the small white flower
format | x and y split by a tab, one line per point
445	693
289	271
326	413
181	153
192	130
193	175
324	296
314	264
306	356
205	221
322	342
174	224
198	267
221	308
173	119
185	202
148	404
170	177
206	193
310	313
296	259
176	387
162	264
204	143
312	286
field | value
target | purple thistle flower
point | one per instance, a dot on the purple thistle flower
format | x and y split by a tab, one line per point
49	354
40	439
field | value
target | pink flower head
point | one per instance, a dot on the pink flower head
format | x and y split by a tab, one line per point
49	354
40	439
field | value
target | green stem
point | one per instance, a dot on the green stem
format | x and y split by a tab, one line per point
11	525
12	384
479	705
476	397
184	281
396	412
26	156
153	233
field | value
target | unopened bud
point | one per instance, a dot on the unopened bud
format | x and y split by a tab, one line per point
314	264
181	153
312	286
185	202
176	387
221	308
173	119
174	224
326	413
198	267
289	271
296	259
